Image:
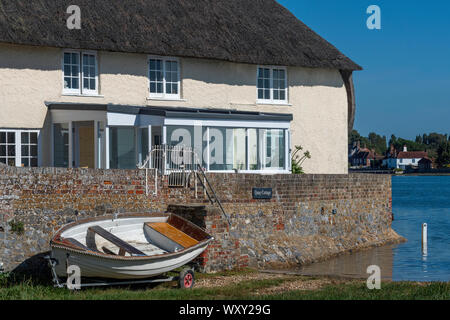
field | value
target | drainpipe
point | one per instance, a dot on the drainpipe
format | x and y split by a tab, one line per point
347	77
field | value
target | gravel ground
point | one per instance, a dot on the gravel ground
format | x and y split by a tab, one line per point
221	281
295	286
288	285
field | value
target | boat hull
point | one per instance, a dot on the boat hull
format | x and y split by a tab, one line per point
93	263
99	267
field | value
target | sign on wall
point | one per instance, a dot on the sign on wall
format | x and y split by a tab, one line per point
262	193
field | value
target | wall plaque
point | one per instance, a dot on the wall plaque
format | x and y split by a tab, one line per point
262	193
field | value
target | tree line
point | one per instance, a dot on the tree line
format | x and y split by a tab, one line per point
435	144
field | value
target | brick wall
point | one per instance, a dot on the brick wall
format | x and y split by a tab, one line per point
309	218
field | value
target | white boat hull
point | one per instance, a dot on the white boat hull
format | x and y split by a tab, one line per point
99	265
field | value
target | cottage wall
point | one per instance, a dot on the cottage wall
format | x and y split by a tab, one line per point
29	76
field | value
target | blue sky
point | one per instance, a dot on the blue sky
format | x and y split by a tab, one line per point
404	88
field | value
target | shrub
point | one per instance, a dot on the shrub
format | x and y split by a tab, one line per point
297	160
17	227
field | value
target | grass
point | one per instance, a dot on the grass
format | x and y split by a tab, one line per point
357	290
11	289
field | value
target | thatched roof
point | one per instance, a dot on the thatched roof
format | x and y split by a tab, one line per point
245	31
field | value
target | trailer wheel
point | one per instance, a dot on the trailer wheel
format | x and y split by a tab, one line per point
187	279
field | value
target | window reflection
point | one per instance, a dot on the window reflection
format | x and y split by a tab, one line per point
227	149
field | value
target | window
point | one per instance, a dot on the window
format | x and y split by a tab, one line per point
19	148
89	73
228	148
8	148
164	78
272	85
61	145
122	148
275	149
80	73
29	150
253	148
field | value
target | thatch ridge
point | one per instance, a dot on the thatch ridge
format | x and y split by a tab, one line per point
243	31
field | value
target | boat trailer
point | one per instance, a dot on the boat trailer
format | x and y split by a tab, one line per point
186	279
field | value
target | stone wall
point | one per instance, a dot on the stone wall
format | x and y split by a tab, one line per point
309	218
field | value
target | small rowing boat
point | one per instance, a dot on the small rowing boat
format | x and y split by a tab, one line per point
133	246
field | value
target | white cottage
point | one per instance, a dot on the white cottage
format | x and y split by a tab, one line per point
403	159
242	82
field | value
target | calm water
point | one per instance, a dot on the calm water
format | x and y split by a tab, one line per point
415	200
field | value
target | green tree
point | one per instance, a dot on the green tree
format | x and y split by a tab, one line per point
419	139
443	154
393	140
374	141
377	142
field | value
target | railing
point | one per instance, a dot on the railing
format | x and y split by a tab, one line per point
179	163
166	158
211	193
175	162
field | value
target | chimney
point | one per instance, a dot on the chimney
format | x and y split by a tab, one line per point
405	148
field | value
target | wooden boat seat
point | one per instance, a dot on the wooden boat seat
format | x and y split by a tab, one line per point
77	243
173	234
123	246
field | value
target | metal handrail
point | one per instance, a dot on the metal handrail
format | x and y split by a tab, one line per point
211	199
179	160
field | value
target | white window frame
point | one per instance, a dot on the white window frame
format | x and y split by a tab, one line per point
88	91
81	91
272	100
235	125
18	144
164	95
264	153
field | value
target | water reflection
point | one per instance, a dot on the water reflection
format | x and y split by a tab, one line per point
355	265
416	200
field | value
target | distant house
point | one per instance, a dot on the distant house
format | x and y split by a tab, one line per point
403	159
363	157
